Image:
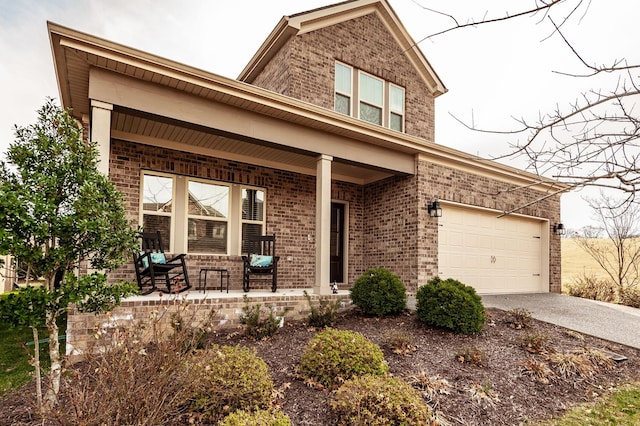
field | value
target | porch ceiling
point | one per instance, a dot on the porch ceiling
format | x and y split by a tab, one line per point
162	132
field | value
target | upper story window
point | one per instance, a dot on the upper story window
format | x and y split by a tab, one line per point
369	98
343	89
396	108
201	216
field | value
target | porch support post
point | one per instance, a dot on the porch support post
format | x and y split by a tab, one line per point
323	224
101	132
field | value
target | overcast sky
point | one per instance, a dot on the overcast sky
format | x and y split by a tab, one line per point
493	73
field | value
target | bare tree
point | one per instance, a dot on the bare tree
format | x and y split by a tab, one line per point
592	141
618	254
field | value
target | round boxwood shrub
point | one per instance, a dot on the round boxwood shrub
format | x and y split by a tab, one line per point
371	400
229	378
333	356
450	304
256	418
379	292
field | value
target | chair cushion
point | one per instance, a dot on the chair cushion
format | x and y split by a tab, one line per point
155	258
258	260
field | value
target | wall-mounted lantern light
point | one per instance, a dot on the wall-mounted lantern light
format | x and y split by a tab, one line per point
559	229
434	208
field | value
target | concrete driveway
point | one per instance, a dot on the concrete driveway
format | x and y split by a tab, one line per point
620	324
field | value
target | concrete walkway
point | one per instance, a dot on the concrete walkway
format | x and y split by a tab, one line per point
620	324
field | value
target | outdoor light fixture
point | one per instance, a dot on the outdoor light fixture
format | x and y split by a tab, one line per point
559	229
434	208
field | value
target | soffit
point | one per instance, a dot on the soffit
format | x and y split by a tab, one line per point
139	128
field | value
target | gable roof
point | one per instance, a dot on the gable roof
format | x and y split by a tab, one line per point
76	55
301	23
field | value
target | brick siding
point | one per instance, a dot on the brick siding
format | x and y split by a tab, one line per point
304	68
290	213
154	311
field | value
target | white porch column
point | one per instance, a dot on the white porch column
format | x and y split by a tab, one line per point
101	132
323	224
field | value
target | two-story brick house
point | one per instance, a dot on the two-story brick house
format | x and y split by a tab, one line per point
326	139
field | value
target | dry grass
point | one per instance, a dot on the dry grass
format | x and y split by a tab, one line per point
576	262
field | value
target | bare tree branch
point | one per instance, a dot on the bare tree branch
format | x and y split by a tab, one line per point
593	141
541	6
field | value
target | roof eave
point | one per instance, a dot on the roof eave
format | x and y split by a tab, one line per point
290	26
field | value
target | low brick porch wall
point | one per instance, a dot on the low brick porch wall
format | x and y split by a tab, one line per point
193	306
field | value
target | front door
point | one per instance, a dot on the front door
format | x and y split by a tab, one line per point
337	243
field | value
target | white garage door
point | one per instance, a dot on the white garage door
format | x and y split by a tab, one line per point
491	254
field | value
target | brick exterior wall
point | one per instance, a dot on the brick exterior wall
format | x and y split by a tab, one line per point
290	213
304	68
466	188
195	309
400	235
388	224
391	226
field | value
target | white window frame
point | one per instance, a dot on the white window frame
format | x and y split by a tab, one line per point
343	93
393	111
226	220
370	103
179	228
242	221
170	214
355	98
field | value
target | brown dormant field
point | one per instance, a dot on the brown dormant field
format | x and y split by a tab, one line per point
576	261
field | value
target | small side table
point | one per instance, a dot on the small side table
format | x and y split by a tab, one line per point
202	278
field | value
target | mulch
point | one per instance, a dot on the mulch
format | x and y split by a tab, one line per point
497	392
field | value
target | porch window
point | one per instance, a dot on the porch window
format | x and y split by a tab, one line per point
157	204
252	214
201	216
208	215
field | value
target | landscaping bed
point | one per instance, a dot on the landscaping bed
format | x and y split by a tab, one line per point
491	386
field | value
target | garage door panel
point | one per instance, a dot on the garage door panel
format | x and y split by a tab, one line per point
494	255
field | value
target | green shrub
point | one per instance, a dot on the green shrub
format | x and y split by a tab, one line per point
450	304
371	400
229	378
257	326
333	356
323	314
379	292
256	418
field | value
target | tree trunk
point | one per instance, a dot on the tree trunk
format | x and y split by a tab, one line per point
55	372
36	366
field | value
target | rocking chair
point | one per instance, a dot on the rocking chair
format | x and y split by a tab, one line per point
261	261
151	264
